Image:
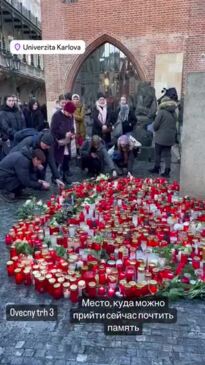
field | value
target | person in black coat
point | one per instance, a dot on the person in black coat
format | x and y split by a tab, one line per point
11	121
33	116
102	119
45	142
18	171
124	118
62	129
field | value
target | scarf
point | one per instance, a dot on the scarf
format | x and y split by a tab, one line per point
102	116
123	113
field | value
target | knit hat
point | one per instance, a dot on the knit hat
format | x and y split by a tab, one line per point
100	95
123	140
69	107
75	96
47	138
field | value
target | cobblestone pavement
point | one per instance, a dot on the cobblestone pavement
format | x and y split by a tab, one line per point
62	343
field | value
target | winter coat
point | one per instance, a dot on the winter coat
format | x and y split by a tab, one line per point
101	152
60	125
97	125
165	124
16	170
34	119
118	158
127	125
33	142
11	121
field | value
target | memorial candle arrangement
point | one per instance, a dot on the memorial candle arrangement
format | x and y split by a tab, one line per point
125	238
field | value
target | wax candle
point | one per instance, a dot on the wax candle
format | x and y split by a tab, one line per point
66	290
74	293
81	287
91	290
10	268
141	274
57	291
27	276
152	286
19	276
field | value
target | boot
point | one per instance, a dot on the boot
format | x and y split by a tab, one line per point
66	179
166	173
155	170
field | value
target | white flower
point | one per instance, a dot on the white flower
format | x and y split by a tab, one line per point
27	202
39	203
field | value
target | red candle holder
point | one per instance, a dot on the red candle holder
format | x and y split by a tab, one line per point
74	293
10	268
19	276
57	291
91	289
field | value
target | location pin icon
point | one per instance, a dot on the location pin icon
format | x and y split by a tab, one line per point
17	46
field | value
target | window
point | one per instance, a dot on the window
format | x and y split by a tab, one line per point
107	70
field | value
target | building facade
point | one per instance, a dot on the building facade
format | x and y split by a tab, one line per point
24	74
160	41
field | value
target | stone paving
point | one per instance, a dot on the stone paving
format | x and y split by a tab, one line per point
62	343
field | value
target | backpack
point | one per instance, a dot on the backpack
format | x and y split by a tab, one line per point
22	134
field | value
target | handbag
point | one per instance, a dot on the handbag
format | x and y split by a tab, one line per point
117	131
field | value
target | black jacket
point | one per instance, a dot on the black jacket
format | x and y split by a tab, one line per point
127	125
34	119
33	142
18	168
11	121
97	125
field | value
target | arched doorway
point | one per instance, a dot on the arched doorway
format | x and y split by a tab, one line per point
109	70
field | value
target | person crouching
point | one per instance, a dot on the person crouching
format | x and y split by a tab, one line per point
95	158
18	170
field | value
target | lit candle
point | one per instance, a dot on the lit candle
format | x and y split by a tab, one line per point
10	268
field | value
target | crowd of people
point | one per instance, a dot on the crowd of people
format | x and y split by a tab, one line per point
100	138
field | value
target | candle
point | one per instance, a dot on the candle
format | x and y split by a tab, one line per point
74	293
141	274
19	277
57	291
152	286
196	262
130	273
66	290
27	276
81	287
111	292
10	268
91	289
101	291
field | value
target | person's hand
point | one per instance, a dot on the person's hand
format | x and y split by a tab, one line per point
114	173
93	155
104	128
129	174
60	183
68	135
45	185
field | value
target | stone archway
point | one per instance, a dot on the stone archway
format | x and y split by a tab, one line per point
105	38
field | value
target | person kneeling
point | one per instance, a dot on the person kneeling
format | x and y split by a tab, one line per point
95	158
18	170
123	154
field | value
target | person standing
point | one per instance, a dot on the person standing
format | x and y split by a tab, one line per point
124	119
102	119
165	134
11	121
79	120
33	116
62	129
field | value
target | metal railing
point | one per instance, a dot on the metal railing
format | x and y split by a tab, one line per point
25	12
14	64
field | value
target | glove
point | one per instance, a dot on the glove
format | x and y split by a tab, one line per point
60	183
129	174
